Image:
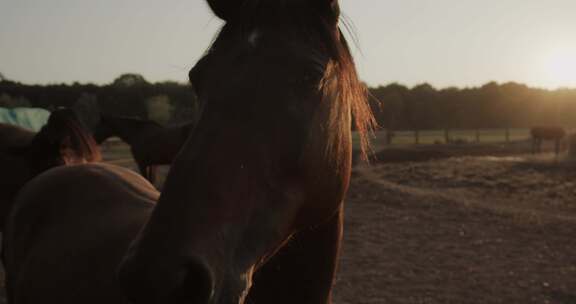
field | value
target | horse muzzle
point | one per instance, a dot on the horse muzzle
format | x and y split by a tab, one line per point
156	282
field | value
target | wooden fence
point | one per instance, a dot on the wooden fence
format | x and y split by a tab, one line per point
452	136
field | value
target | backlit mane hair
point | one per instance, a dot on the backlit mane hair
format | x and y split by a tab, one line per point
351	93
66	131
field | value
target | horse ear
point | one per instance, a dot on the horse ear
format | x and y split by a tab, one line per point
225	9
328	8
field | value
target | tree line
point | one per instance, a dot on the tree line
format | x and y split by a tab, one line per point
128	95
493	105
396	107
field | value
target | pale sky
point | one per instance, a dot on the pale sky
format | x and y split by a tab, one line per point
442	42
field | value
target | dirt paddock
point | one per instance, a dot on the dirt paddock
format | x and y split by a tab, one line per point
459	227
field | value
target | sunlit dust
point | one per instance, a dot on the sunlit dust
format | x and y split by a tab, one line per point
560	67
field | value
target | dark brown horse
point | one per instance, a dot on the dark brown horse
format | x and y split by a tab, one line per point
540	134
252	208
150	143
25	154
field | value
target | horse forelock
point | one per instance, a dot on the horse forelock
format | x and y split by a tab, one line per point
345	97
351	92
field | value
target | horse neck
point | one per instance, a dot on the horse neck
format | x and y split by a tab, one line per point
185	130
131	131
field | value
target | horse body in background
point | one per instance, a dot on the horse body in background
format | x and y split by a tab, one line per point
25	154
540	134
150	143
260	225
14	136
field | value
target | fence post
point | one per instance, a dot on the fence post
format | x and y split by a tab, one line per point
417	136
447	135
389	136
507	135
477	136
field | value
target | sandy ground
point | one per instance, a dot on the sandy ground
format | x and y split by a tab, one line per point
461	230
457	225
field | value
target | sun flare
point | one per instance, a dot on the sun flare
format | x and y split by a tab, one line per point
560	67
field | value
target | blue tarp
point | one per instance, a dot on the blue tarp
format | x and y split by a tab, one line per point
29	118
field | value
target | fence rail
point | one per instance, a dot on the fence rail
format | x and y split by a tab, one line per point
425	137
452	136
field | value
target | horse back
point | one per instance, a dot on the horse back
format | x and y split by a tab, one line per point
68	216
547	132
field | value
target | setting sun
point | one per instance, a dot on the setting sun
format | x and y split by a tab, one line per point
560	67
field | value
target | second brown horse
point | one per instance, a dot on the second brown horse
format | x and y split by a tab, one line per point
541	134
150	143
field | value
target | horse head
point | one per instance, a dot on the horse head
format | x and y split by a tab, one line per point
269	159
127	128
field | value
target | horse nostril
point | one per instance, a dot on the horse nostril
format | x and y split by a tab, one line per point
152	283
197	285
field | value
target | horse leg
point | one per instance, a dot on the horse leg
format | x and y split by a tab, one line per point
152	169
144	170
303	270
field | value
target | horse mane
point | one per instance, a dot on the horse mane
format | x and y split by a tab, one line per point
64	131
127	128
340	85
132	120
351	92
